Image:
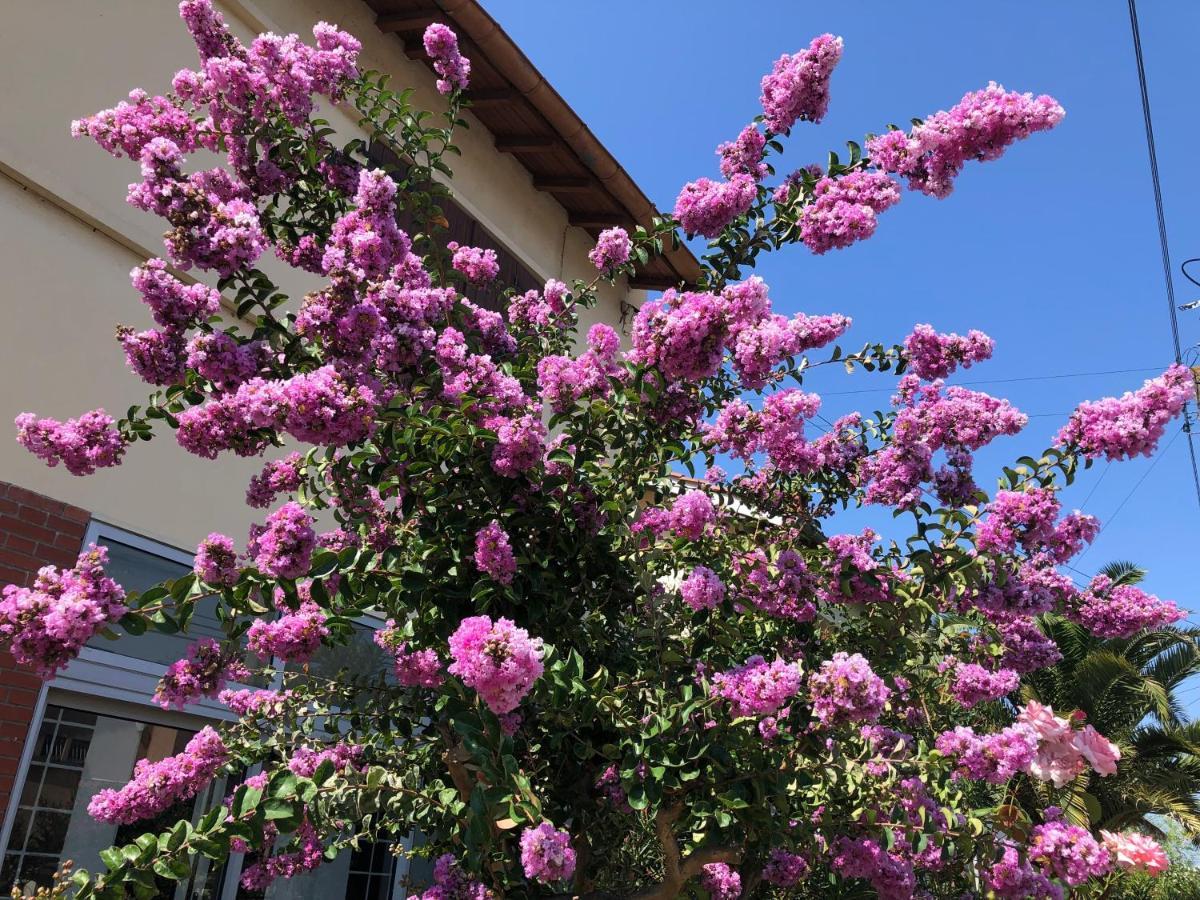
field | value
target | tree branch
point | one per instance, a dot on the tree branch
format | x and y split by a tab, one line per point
678	871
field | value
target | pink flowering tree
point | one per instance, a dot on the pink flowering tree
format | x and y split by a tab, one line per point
610	678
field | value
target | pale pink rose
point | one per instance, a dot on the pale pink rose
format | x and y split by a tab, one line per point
1098	750
1042	719
1136	851
1057	761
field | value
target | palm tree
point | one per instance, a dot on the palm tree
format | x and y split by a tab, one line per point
1129	690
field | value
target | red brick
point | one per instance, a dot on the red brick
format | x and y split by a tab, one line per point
9	575
68	541
9	764
28	498
21	698
76	515
39	533
25	561
20	544
32	515
9	507
20	678
63	525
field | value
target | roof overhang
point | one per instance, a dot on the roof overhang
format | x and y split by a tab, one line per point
529	120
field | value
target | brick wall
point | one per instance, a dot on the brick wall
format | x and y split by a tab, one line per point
35	531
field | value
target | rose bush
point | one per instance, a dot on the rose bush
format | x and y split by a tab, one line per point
611	678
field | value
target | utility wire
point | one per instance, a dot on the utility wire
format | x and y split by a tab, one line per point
1133	490
1162	221
1005	380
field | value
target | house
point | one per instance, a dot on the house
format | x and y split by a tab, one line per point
533	182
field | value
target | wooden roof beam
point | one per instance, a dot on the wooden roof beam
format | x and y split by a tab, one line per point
527	143
653	282
394	23
599	219
564	184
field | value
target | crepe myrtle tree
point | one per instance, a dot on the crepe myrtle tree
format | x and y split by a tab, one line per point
609	679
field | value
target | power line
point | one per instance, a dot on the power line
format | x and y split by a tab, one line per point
1005	380
1162	221
1133	490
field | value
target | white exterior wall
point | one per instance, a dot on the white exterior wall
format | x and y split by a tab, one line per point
68	239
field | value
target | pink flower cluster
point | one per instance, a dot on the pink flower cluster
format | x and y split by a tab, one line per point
702	589
413	668
216	561
981	126
994	758
685	335
82	445
283	547
478	265
957	421
854	569
612	250
539	308
1069	852
705	206
1131	425
844	210
308	855
344	757
757	688
366	242
293	637
158	786
453	69
932	355
744	155
1012	878
786	593
132	124
215	223
494	554
202	673
319	407
1136	852
565	381
798	84
156	356
845	689
45	626
546	854
721	882
174	305
890	875
280	476
499	660
1122	611
451	883
784	869
974	684
255	702
223	360
1029	518
691	515
1026	647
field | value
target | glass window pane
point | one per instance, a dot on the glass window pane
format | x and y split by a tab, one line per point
20	828
45	741
361	656
8	873
48	833
33	782
70	745
59	789
38	869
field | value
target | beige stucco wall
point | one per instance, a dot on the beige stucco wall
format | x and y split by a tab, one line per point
68	239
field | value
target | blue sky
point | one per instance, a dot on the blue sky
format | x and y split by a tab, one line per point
1051	250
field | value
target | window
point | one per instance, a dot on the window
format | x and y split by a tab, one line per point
372	872
466	229
47	799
